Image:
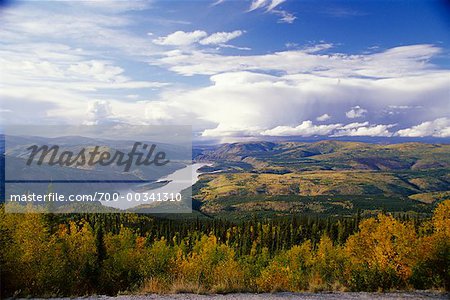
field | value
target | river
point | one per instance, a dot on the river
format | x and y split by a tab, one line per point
179	180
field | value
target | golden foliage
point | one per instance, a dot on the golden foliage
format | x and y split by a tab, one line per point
385	253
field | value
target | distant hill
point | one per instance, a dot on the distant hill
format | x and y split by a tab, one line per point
333	155
79	179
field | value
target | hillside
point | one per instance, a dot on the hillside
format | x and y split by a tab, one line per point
326	177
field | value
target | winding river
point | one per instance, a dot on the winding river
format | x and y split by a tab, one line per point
179	180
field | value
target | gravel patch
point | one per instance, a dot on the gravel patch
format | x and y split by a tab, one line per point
277	296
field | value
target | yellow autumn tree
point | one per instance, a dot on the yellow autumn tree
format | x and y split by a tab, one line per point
288	271
120	270
27	253
75	247
381	255
328	266
433	267
210	266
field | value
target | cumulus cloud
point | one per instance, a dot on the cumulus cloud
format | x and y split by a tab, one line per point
99	112
221	37
227	131
181	38
356	112
305	129
247	94
437	128
113	112
323	117
160	113
246	103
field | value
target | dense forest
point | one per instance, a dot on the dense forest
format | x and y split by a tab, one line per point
81	254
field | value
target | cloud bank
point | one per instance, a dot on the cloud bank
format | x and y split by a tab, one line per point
281	93
87	64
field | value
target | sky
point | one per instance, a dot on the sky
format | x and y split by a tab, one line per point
231	69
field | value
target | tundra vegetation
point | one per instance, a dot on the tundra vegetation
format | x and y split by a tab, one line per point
326	178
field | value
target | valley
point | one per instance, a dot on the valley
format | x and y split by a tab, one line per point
326	177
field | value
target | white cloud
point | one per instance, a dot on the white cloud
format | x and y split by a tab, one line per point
99	70
323	117
269	6
305	129
291	45
55	60
354	125
248	103
221	37
392	63
285	17
64	68
48	83
217	2
100	26
274	3
373	130
356	112
223	131
235	103
247	94
437	128
181	38
317	47
257	4
100	112
235	47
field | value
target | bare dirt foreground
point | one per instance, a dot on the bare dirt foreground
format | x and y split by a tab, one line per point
277	296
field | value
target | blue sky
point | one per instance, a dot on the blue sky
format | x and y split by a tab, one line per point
231	69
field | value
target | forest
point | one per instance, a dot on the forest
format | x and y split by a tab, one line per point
82	254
